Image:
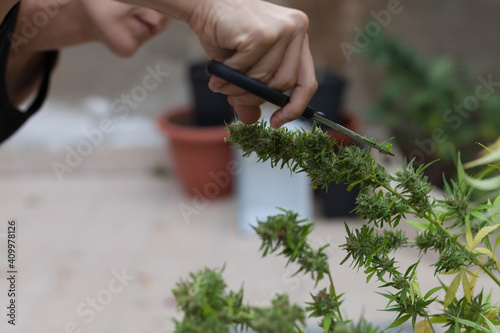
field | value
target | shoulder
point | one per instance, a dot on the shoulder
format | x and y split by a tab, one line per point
5	7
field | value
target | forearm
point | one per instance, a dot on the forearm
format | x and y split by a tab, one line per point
182	10
265	41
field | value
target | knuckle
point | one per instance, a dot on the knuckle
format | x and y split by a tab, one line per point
290	27
314	85
264	36
301	20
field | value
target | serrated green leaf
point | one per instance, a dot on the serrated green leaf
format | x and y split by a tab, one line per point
479	215
418	225
494	212
439	320
327	322
460	171
412	295
489	184
452	289
351	186
400	321
469	238
469	323
490	324
432	291
369	277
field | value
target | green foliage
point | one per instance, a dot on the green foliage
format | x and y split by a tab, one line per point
326	306
286	232
464	235
310	152
425	97
208	308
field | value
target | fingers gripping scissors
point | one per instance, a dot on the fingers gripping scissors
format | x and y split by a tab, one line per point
280	99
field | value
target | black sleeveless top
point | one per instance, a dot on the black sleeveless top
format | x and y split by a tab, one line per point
11	119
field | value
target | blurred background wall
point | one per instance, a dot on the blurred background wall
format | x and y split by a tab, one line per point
464	30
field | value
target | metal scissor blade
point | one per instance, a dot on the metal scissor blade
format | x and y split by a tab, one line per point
278	98
325	121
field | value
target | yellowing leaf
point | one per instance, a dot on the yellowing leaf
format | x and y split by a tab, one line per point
452	289
468	237
490	314
423	327
485	251
482	233
497	241
450	272
473	280
467	288
491	326
415	286
490	158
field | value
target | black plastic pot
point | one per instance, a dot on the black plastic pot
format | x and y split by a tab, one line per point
328	98
337	201
210	109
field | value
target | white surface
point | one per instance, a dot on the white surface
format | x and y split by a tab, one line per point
261	189
58	125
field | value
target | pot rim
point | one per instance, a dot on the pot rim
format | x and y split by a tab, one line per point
188	133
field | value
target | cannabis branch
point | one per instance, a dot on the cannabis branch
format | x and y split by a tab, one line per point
453	227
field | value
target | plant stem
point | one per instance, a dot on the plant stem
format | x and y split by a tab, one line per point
430	324
335	295
474	260
433	219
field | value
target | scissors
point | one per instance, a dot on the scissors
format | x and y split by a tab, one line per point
279	99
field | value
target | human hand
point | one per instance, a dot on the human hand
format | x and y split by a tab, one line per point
266	42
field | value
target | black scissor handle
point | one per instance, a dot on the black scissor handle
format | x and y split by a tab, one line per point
255	87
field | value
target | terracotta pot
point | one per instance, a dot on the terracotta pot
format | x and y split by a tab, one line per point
350	122
202	159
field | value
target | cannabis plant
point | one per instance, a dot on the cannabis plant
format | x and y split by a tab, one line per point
434	106
464	234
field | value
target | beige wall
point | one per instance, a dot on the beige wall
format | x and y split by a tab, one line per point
465	30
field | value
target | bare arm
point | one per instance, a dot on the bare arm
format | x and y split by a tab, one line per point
263	40
179	9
